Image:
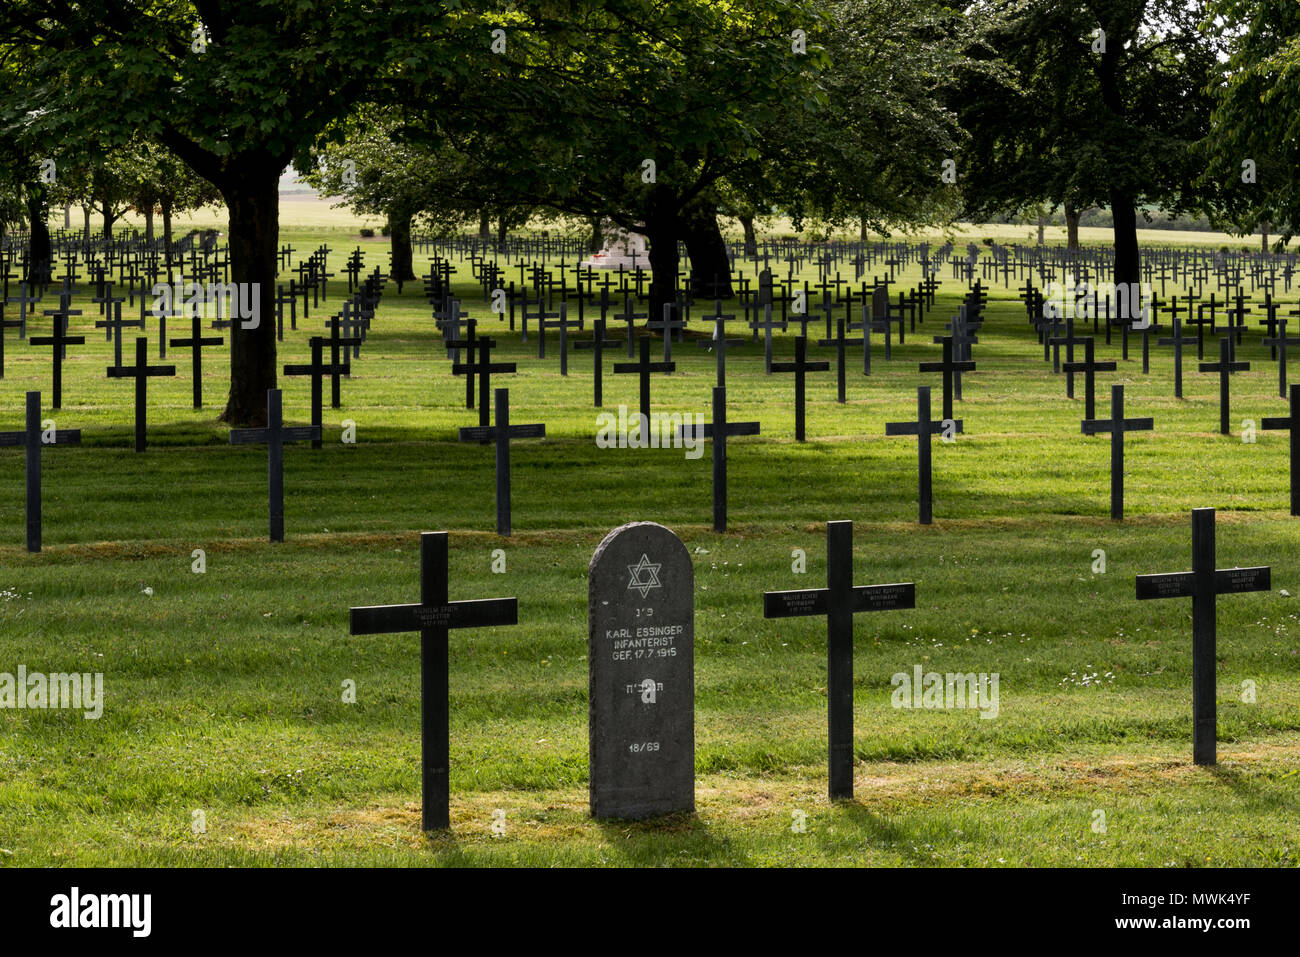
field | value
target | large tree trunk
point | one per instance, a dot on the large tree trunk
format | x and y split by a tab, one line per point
109	219
751	238
1071	227
710	266
484	225
1127	258
399	243
597	234
85	224
148	222
39	248
1042	227
252	198
1263	236
167	228
661	233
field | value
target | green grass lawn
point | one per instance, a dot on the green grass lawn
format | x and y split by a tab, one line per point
223	690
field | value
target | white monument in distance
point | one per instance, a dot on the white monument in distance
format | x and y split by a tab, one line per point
621	248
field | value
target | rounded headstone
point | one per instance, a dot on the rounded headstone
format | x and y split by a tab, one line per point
641	659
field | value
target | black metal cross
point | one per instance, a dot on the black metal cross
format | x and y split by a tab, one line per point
1089	367
1116	425
947	366
31	439
643	368
141	372
923	428
1225	367
1203	584
1291	422
840	345
433	616
483	368
767	325
800	367
718	430
339	363
501	434
598	345
6	324
630	316
317	370
1279	344
839	601
670	323
195	344
274	436
61	316
22	301
718	342
1177	340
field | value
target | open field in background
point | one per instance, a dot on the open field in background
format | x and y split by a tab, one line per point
308	211
224	689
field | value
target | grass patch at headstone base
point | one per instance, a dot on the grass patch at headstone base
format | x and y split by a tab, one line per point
223	690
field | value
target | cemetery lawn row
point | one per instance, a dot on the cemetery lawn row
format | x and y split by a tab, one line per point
223	693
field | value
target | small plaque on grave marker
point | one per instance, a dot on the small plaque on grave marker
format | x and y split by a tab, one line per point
641	656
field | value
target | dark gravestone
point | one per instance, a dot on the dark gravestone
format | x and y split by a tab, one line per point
1202	584
641	656
483	369
31	439
433	617
839	601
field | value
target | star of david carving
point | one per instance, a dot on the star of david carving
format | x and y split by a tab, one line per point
645	575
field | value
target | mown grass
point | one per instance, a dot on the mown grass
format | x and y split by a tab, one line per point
224	688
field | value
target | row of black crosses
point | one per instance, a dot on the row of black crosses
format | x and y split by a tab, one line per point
274	435
434	615
461	333
1048	324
